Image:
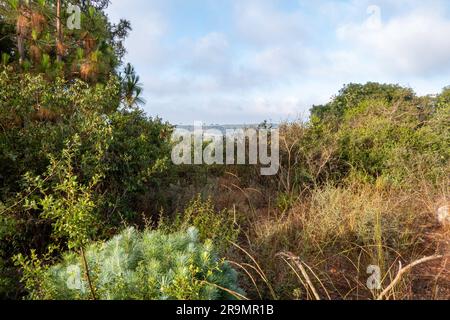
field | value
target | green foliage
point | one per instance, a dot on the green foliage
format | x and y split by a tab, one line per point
220	226
285	201
68	204
7	229
5	58
139	266
78	160
353	94
444	97
384	130
359	185
127	148
73	164
34	270
37	117
131	88
38	46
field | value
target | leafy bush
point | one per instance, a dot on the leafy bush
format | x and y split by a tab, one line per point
142	266
382	130
64	201
219	226
38	117
359	185
353	94
7	230
120	161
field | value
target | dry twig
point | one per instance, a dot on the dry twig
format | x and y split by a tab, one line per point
406	269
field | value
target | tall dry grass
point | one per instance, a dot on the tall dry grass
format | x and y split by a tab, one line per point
312	231
309	236
335	234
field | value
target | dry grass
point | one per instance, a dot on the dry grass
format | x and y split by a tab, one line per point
35	53
329	237
37	21
312	231
89	71
22	25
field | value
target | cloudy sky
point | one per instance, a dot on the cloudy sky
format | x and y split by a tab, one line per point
245	61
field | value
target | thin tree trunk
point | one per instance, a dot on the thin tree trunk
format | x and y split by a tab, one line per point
59	33
88	276
21	48
20	36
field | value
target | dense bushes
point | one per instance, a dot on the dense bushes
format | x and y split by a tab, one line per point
353	94
374	131
220	226
63	140
359	185
144	266
79	162
386	139
6	232
38	117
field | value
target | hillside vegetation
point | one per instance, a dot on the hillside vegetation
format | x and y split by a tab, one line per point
91	207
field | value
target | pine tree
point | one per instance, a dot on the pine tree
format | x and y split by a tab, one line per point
150	265
43	45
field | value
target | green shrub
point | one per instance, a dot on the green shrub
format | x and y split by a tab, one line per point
353	94
123	151
7	230
63	200
140	266
444	97
383	130
37	118
219	226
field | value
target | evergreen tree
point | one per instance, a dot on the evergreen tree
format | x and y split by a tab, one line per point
140	266
131	88
35	38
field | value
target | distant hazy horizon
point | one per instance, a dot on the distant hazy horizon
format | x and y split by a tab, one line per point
224	126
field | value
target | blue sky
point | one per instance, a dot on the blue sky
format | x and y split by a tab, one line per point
246	61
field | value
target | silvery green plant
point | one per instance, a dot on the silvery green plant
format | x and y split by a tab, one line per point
149	265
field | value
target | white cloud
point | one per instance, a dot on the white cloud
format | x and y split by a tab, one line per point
209	53
273	61
261	23
414	44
